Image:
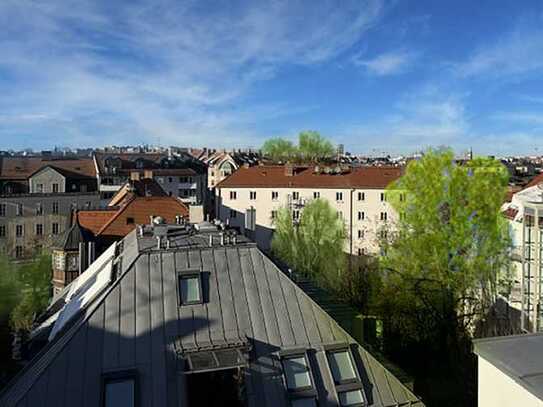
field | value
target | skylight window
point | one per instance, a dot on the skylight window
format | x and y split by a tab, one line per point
299	379
190	289
345	374
218	359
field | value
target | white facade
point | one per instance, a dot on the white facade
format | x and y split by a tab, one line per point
365	211
497	389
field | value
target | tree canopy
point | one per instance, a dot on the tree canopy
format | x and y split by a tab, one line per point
314	246
451	245
312	147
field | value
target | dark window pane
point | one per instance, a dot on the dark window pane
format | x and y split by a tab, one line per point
303	402
119	394
203	360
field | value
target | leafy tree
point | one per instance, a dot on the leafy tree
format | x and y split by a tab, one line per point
9	288
313	147
443	268
35	279
279	149
314	246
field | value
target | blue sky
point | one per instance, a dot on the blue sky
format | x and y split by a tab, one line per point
393	76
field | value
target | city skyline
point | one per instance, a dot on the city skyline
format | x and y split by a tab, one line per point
377	76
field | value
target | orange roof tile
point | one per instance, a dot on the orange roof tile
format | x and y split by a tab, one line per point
269	176
94	220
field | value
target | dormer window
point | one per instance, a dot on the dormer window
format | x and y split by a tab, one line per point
119	389
298	379
190	288
140	163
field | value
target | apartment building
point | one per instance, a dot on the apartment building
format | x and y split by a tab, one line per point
525	215
250	198
37	198
221	165
180	176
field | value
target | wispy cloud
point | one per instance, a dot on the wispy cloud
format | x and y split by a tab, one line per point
389	63
520	118
518	52
137	71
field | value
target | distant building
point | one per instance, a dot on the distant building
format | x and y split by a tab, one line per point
525	216
196	320
250	197
180	176
222	164
510	371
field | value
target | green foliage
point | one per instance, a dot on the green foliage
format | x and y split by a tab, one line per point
312	147
9	288
35	281
444	265
279	150
314	247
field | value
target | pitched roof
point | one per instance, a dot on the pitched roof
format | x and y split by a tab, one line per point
136	321
20	168
142	187
185	165
75	235
94	220
269	176
538	179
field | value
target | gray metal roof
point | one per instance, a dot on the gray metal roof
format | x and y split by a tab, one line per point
137	323
518	356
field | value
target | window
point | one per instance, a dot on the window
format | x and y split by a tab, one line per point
402	197
55	208
297	375
2	231
39	188
170	180
20	209
190	289
383	197
119	389
39	229
3	209
233	213
339	196
55	188
295	195
361	251
361	215
274	215
361	196
346	377
252	195
383	234
19	230
295	214
384	216
360	234
19	251
299	380
39	209
233	195
339	215
129	221
316	195
275	195
55	228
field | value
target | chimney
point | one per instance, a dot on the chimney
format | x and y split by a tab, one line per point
148	174
134	176
289	169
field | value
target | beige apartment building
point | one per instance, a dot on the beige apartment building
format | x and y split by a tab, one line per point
250	198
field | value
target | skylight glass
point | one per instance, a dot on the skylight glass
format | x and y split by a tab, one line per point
341	366
351	398
303	402
189	289
119	393
296	372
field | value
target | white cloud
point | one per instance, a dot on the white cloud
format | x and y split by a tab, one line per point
389	63
117	73
520	118
519	52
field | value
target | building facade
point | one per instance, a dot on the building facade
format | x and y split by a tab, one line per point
250	198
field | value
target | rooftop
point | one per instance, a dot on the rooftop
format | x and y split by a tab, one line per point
20	168
130	310
518	356
274	176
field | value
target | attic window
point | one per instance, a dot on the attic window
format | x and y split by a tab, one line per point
190	288
346	377
129	221
119	389
299	379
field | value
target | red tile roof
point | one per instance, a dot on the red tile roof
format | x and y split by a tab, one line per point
20	168
94	220
538	179
510	213
274	176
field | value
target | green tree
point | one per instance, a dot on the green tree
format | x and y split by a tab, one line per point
313	147
35	280
314	246
9	288
443	268
279	149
